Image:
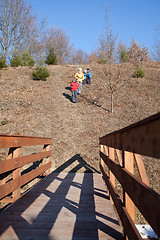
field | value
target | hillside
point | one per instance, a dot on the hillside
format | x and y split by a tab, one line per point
43	108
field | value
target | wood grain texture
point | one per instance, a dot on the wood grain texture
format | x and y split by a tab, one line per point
62	206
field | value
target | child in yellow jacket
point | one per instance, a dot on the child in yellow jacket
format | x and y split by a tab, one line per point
79	77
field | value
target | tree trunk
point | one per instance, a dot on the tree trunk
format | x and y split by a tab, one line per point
111	101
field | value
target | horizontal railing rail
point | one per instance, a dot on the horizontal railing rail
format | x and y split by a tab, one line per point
12	173
127	145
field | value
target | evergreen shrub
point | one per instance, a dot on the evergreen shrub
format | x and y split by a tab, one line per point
40	73
27	60
16	61
51	58
124	56
2	63
139	73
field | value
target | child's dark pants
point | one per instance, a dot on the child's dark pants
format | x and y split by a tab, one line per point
74	96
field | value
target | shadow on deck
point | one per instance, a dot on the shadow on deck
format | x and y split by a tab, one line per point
63	206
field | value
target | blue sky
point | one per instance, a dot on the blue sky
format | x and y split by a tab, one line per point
84	21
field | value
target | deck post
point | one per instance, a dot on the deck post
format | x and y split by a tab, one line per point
101	160
111	175
16	152
129	165
47	148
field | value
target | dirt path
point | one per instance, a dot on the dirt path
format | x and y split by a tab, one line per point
68	131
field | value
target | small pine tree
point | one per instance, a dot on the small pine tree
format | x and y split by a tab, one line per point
122	52
40	73
51	58
124	56
139	72
2	63
16	61
27	60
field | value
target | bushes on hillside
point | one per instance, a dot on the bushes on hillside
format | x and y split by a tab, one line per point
24	60
16	61
40	73
27	60
2	63
139	72
124	56
51	58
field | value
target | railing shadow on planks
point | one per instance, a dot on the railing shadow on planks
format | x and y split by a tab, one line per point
118	151
12	173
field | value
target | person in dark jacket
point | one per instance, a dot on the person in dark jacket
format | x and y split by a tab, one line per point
74	86
85	76
89	76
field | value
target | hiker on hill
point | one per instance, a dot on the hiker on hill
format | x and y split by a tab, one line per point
74	86
89	76
79	77
85	76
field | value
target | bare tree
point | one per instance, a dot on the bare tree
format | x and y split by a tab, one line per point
107	40
33	42
79	57
57	40
107	50
15	23
156	50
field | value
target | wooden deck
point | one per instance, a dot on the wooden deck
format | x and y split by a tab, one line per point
62	206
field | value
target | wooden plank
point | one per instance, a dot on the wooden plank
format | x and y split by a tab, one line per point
101	149
33	174
119	157
141	168
47	148
126	220
62	206
16	174
111	156
3	177
7	200
128	203
146	199
141	138
20	181
10	164
111	175
129	165
19	141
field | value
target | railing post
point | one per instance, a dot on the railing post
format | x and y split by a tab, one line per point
46	148
102	162
16	152
128	164
111	175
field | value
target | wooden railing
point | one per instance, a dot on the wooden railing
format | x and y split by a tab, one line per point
118	151
12	173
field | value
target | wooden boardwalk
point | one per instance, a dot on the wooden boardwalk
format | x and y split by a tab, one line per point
63	206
